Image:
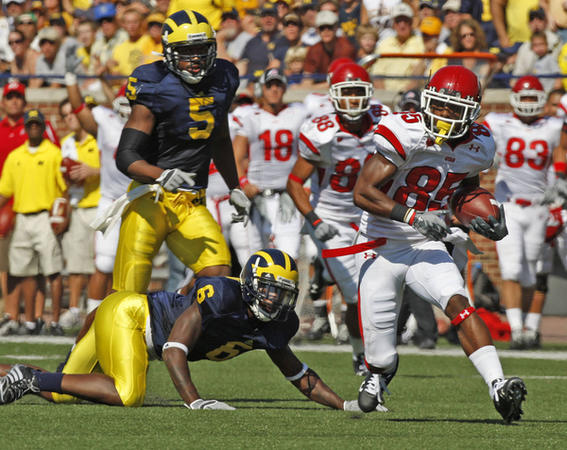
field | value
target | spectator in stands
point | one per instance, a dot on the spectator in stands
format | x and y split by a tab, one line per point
510	20
84	193
231	38
293	64
130	54
468	36
212	10
25	58
54	9
479	11
349	19
13	9
161	6
291	35
258	53
86	35
379	14
553	106
427	8
539	60
34	249
429	28
366	39
404	41
557	14
307	11
111	35
451	18
27	24
155	22
282	6
331	47
52	60
39	11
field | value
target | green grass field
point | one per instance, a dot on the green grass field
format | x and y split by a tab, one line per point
436	402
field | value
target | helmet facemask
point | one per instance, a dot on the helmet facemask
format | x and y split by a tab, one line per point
199	51
462	112
530	108
351	99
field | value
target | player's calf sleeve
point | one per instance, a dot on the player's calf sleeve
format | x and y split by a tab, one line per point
487	363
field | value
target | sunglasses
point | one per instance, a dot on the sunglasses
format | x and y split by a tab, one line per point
291	23
17	41
46	41
26	23
464	35
326	27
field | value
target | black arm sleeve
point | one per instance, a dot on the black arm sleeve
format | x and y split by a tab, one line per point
130	148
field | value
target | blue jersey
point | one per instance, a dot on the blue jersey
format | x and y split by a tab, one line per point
187	116
227	328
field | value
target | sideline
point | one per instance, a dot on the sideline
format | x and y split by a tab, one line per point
402	350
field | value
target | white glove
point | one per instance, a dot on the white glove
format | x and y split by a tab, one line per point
172	179
324	231
241	203
70	79
287	207
209	404
431	224
352	406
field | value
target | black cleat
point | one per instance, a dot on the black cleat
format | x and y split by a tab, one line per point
508	396
370	394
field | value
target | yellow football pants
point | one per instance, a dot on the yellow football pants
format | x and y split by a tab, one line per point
183	221
115	345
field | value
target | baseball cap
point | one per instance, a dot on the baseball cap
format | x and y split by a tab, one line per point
48	34
36	4
155	18
231	14
7	2
57	19
34	115
104	11
273	74
269	9
452	5
14	86
431	25
291	18
538	13
402	10
427	4
408	99
326	18
26	17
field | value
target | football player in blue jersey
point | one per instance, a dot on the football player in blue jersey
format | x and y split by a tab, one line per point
177	124
221	318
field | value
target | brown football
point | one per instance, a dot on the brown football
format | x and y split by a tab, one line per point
471	202
59	215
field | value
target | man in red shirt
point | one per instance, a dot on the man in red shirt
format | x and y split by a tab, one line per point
331	47
12	135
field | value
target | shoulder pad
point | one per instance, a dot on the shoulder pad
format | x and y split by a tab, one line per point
316	133
397	134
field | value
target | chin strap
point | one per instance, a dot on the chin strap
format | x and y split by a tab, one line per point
444	128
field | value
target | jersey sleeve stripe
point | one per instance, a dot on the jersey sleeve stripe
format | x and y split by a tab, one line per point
308	143
387	134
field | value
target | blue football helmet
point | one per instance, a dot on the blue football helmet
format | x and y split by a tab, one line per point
269	284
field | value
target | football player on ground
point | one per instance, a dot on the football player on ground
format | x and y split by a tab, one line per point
106	125
219	319
526	145
421	159
267	145
334	147
178	122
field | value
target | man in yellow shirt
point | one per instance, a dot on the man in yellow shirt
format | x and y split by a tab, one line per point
404	41
212	10
84	192
32	176
131	53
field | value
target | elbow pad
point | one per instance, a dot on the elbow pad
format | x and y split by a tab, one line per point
130	148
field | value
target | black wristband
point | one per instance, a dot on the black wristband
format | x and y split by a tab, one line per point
313	218
400	213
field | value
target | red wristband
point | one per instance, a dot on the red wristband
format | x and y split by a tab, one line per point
295	178
243	181
79	108
560	167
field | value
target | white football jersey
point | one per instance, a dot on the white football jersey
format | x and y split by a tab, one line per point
339	156
113	183
525	152
428	173
272	141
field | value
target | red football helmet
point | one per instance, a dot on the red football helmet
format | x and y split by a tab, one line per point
528	86
335	65
349	79
456	89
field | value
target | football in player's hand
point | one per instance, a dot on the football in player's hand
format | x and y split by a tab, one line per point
470	202
67	164
59	215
